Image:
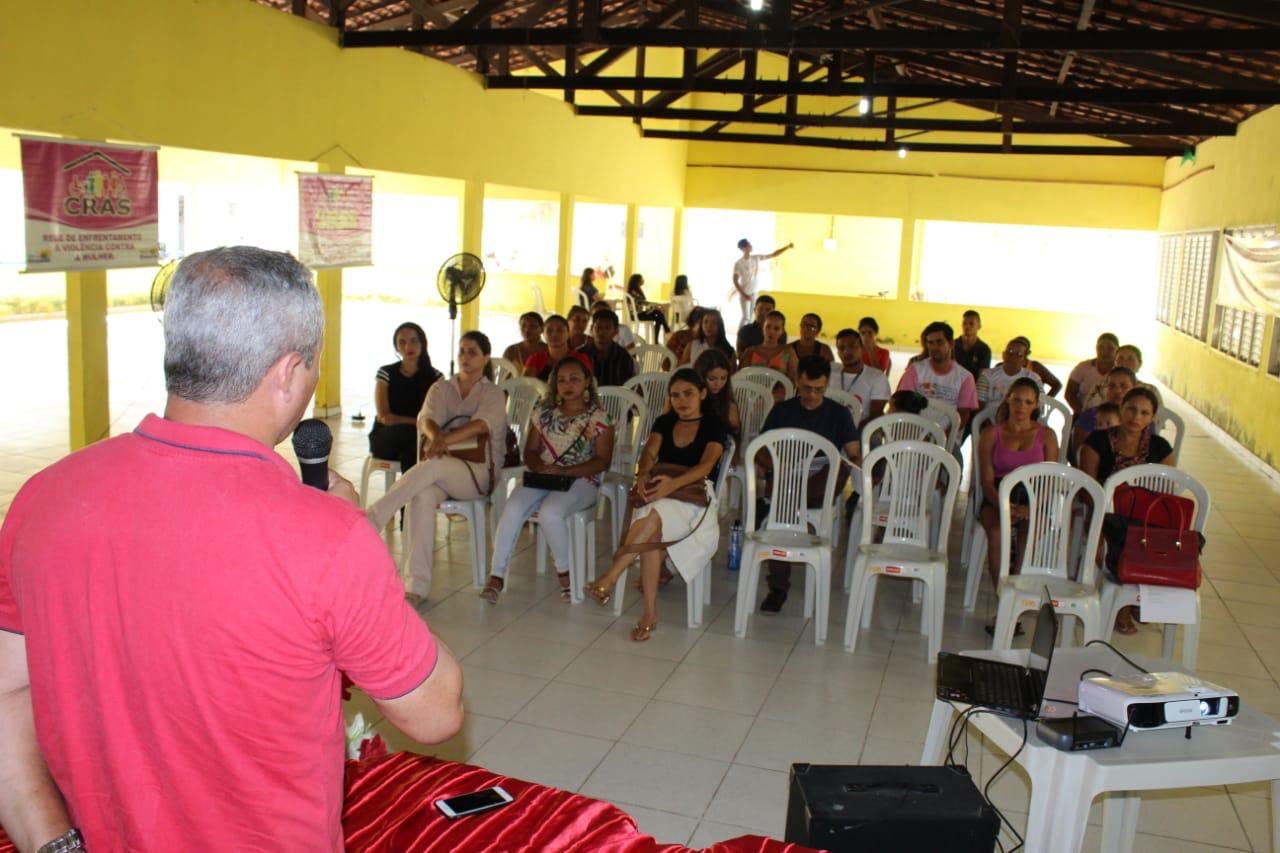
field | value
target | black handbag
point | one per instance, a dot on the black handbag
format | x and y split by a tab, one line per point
547	482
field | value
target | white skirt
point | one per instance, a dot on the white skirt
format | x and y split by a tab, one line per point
692	553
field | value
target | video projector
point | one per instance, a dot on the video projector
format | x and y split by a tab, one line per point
1158	700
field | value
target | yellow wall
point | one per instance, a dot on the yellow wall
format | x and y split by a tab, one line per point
1234	182
234	76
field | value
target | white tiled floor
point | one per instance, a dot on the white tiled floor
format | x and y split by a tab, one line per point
693	731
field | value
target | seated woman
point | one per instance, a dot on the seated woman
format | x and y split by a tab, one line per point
579	319
1119	382
873	355
465	415
773	353
530	339
713	367
679	340
691	437
1017	438
556	332
570	436
681	299
709	335
1127	356
908	402
587	286
651	312
994	382
1132	443
1085	375
808	344
398	394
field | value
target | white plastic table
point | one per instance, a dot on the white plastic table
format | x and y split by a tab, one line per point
1064	784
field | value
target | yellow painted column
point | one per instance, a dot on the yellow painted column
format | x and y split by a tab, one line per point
633	237
329	387
87	357
328	402
472	237
907	259
677	232
566	279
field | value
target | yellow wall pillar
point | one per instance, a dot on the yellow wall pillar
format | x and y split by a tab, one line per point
677	231
633	237
329	282
472	238
566	294
87	357
907	257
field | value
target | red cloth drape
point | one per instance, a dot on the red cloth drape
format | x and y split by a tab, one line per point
390	808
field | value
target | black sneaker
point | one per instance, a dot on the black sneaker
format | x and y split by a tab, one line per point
773	601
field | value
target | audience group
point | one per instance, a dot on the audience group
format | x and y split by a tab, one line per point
571	436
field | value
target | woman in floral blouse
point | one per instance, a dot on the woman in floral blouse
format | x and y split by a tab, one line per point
571	436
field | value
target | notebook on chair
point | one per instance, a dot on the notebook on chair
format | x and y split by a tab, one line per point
1009	688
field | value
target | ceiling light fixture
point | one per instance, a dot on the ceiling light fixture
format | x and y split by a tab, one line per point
902	153
756	5
864	106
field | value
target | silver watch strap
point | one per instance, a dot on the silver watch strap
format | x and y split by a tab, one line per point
68	841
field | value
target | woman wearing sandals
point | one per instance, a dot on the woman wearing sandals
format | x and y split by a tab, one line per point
665	528
462	420
570	445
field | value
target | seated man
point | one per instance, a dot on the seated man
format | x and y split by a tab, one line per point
197	708
939	377
809	410
752	334
611	364
625	337
853	376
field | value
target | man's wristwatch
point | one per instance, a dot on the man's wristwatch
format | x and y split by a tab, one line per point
70	840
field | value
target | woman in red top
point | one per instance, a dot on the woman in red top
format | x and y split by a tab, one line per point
872	355
772	353
556	334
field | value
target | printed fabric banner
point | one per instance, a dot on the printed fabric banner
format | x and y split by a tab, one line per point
1249	276
335	220
89	205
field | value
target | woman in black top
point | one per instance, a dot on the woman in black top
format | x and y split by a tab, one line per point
691	436
646	310
398	393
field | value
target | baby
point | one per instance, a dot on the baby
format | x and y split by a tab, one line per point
1108	416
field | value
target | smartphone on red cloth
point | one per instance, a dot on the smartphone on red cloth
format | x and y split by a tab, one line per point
473	803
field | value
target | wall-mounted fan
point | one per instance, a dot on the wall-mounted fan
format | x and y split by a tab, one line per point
461	278
160	288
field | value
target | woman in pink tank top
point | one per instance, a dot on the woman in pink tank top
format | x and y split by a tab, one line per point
1017	438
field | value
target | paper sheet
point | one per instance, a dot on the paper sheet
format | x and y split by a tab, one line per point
1167	604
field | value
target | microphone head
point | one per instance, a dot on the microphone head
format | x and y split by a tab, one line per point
312	441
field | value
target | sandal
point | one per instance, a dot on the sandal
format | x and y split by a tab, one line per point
641	632
598	593
492	588
566	594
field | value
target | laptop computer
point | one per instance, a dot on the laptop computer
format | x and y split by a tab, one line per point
1011	689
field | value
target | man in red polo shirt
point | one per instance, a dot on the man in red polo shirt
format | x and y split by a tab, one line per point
178	609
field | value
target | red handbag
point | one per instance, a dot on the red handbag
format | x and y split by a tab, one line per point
1158	510
1163	556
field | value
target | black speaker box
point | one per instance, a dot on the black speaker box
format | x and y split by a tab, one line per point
903	809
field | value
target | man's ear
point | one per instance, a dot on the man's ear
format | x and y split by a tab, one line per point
283	374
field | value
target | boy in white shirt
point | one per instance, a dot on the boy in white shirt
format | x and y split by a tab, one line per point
869	385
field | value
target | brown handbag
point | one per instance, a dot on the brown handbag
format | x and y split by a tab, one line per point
694	493
478	455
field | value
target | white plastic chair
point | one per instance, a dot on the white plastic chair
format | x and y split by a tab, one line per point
970	550
697	592
653	358
1170	481
1165	419
390	469
582	534
947	417
901	426
652	388
754	404
1053	409
504	370
1052	490
645	330
523	393
785	533
914	470
847	400
630	415
766	378
538	304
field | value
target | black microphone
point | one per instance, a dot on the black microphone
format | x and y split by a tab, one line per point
312	441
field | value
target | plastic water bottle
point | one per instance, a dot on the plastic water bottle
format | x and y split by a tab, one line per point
735	546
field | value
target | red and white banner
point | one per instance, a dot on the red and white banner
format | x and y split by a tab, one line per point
89	205
335	220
